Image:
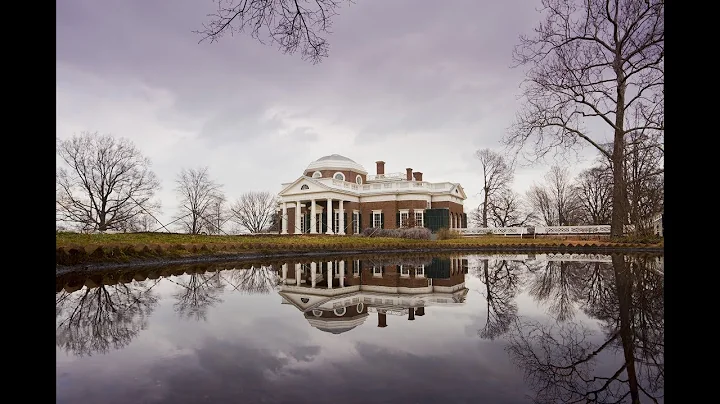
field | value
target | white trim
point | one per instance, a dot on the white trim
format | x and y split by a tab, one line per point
342	309
319	174
341	179
317	313
358	179
359	307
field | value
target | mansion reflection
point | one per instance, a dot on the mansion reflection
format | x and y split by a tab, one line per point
337	296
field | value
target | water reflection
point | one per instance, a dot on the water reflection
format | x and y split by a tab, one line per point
599	337
560	358
336	296
102	316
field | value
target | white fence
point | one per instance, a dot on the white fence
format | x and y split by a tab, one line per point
535	230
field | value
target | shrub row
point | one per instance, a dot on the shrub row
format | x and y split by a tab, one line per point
414	233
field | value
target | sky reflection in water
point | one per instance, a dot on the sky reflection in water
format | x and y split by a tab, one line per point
460	329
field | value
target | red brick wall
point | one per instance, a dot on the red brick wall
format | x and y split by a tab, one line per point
349	175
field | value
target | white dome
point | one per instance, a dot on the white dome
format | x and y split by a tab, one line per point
335	162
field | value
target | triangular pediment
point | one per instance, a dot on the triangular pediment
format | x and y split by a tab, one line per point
296	187
458	191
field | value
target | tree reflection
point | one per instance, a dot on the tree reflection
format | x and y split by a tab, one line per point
561	360
98	319
501	285
198	292
255	280
556	284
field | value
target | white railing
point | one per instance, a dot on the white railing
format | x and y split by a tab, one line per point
388	176
543	230
493	230
600	229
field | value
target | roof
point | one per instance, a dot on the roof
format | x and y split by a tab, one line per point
336	162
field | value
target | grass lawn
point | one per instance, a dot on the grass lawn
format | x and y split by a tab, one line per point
75	248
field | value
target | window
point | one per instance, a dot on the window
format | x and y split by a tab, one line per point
317	174
356	268
420	271
377	271
377	219
303	225
336	222
339	176
404	270
304	187
419	215
356	222
403	218
358	180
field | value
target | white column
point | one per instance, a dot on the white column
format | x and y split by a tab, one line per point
284	218
284	273
313	276
330	275
342	270
298	273
313	217
329	216
341	220
297	218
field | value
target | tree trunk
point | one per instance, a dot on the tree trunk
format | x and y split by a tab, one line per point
619	213
624	291
484	213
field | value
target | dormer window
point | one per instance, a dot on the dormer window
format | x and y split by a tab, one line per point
317	174
304	187
339	176
358	180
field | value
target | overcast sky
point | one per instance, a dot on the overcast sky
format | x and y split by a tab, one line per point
420	87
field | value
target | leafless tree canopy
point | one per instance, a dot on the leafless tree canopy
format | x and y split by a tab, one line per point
509	210
292	25
497	175
594	191
645	179
592	61
501	286
106	183
198	195
254	211
555	202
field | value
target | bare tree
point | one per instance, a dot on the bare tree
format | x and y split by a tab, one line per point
253	280
217	215
291	24
563	195
541	202
198	193
594	191
645	179
254	211
497	175
595	61
106	183
508	210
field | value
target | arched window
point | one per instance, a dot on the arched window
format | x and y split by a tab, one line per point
359	307
304	187
358	180
339	176
317	174
339	311
317	313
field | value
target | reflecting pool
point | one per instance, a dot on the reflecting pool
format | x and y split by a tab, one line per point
366	329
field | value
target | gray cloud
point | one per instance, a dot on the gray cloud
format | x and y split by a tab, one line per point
402	83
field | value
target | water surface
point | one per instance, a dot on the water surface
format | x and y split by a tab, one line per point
453	329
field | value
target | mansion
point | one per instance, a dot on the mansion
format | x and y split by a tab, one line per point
336	195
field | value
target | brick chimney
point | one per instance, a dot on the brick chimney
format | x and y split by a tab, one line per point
420	311
380	167
382	319
417	175
409	174
411	313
